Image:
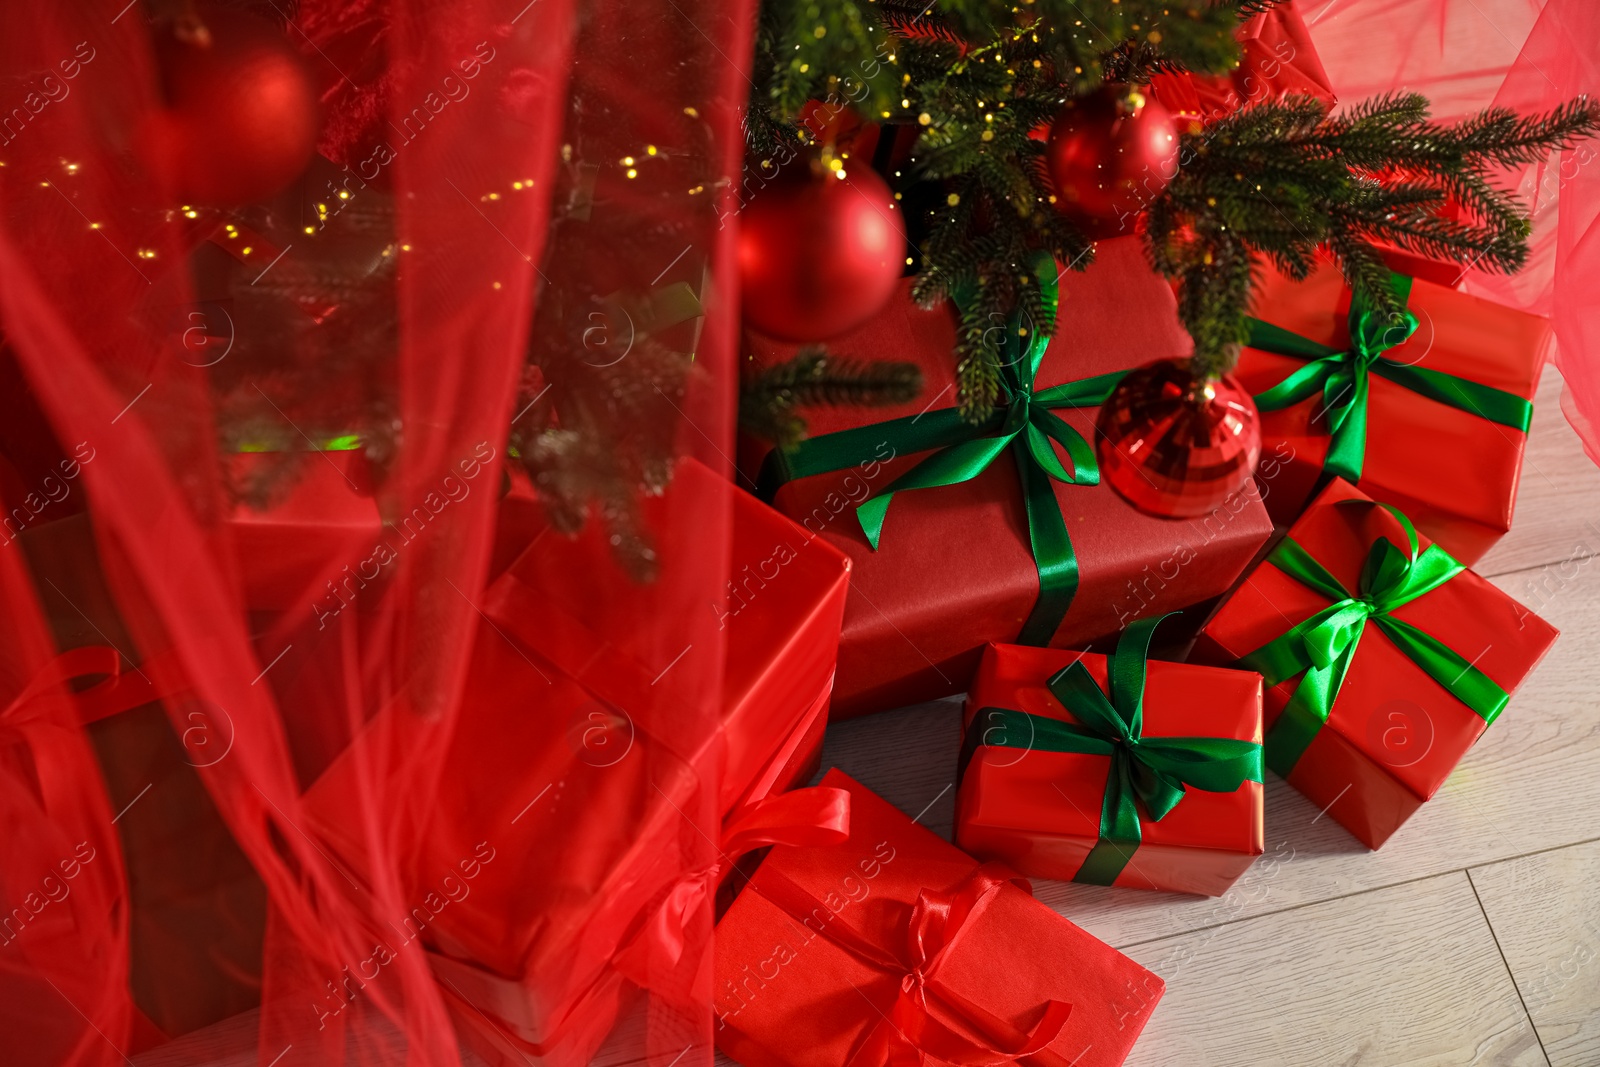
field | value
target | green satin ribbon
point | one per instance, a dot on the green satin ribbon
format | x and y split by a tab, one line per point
1324	645
1343	376
1025	426
1148	771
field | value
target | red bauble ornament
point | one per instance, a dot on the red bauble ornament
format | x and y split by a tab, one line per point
819	254
1177	446
1111	152
241	116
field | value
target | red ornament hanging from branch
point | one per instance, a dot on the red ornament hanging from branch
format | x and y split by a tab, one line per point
240	117
1111	152
1175	445
820	251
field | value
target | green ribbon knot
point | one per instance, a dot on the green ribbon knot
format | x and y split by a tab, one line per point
1343	376
1025	426
1324	645
1151	773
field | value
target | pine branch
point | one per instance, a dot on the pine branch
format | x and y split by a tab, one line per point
768	399
1283	178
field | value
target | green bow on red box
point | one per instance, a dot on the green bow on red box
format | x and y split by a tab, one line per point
1025	425
1323	646
1145	772
1343	376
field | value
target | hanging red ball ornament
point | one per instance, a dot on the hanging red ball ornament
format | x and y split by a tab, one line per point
240	116
1175	445
1111	152
820	252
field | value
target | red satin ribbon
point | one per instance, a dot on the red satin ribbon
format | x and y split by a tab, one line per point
816	816
914	1025
45	716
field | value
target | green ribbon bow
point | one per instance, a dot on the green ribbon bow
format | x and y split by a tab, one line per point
1148	771
1024	426
1324	645
1344	375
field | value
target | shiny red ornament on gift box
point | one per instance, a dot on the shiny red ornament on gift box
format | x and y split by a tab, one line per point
820	251
1111	152
1174	445
241	115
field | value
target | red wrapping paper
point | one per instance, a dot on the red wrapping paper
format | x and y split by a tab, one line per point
1453	473
324	528
1039	812
1277	59
788	994
530	944
1394	734
953	570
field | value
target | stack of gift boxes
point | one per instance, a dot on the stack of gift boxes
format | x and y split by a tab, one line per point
1346	648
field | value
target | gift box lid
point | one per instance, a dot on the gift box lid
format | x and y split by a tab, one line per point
1485	626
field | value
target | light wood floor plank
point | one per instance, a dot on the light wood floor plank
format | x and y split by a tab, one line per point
1545	912
1403	976
1558	501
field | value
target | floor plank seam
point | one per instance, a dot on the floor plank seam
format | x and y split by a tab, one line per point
1357	892
1534	852
1524	569
1124	946
1507	965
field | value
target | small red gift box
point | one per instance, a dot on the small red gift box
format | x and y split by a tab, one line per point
953	568
578	794
1050	770
1452	470
896	944
1385	660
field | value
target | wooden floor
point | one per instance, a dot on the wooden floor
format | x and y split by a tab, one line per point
1473	937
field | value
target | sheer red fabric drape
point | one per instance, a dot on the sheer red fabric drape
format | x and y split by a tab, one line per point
1524	54
204	882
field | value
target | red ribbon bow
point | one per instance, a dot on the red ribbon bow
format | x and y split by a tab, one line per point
920	1024
816	816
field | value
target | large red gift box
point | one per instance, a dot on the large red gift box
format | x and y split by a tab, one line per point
577	794
1394	731
896	943
954	570
1452	471
1040	810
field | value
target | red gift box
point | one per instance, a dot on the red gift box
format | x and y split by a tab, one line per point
1039	809
1452	471
896	943
1394	731
324	527
534	943
953	569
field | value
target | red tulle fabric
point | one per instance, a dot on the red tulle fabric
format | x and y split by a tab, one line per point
1528	55
165	873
